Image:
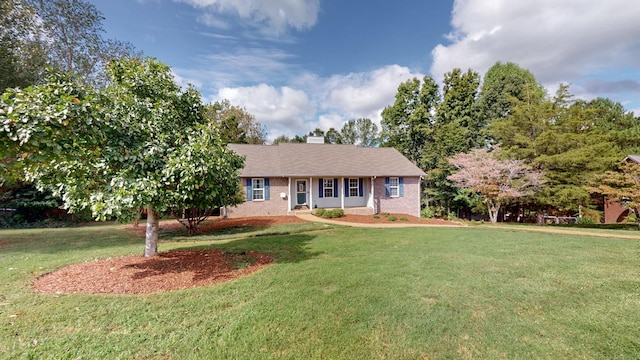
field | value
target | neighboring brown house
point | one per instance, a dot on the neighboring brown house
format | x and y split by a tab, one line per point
277	179
614	212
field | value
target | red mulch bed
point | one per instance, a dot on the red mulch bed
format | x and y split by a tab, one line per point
180	269
172	270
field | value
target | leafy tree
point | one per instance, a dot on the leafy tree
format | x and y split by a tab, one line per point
348	133
361	132
64	34
456	111
453	131
78	46
281	139
367	130
332	136
503	84
406	125
140	142
316	132
529	118
22	55
295	139
31	204
498	181
236	125
298	139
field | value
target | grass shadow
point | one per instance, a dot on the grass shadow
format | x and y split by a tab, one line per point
242	231
217	261
284	248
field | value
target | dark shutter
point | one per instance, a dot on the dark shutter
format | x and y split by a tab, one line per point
387	187
335	187
346	187
321	188
249	190
361	187
401	186
266	189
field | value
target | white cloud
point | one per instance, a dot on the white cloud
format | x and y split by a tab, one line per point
328	121
558	40
323	103
364	95
285	106
273	16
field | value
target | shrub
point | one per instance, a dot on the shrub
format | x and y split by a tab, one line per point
329	214
592	214
392	218
585	221
404	219
428	213
376	216
631	218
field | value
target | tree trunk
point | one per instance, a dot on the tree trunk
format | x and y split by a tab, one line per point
493	211
151	236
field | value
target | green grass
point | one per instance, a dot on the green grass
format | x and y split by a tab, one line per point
337	293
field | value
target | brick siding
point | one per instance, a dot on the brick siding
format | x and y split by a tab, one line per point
275	206
407	204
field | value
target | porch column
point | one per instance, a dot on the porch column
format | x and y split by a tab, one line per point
289	196
373	195
341	193
310	189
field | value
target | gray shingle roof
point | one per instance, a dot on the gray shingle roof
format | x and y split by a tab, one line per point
285	160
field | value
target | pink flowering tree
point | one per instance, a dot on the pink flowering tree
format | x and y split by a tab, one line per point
497	181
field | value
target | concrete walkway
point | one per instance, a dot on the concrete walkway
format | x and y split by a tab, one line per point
312	218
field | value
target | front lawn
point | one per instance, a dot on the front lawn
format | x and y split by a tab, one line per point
337	293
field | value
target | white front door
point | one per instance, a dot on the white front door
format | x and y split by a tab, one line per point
301	192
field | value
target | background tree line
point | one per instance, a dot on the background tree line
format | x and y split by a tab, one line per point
570	141
360	132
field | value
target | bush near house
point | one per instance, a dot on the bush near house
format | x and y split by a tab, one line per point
329	213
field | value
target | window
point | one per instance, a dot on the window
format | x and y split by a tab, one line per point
327	184
258	189
394	187
354	186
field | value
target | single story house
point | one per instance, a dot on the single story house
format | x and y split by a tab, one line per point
278	179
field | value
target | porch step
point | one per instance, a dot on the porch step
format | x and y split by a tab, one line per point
301	207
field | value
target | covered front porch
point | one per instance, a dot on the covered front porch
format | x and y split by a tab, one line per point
353	195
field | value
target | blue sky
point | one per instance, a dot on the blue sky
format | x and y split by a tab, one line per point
301	64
